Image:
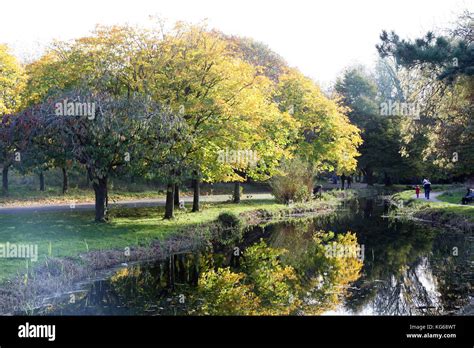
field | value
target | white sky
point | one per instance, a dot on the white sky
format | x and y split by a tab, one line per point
320	37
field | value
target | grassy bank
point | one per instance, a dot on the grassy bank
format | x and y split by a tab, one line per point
62	234
25	193
453	196
446	212
72	247
69	234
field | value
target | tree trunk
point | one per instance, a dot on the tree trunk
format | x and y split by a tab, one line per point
387	180
369	176
65	180
101	200
196	194
237	192
169	209
176	195
5	179
41	177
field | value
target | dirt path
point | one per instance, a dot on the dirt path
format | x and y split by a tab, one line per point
433	196
138	203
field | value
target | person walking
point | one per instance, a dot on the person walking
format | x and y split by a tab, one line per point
343	180
427	188
417	190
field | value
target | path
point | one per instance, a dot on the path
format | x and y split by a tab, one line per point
138	203
433	196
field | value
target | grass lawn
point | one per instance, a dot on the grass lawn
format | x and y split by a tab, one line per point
23	195
453	196
62	234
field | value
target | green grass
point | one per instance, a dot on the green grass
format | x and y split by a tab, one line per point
25	195
453	196
61	234
434	187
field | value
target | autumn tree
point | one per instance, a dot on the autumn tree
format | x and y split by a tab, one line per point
438	71
224	101
11	83
325	139
102	139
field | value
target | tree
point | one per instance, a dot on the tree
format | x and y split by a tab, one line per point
165	140
11	84
223	100
443	68
12	81
325	138
30	140
101	143
98	76
7	149
381	149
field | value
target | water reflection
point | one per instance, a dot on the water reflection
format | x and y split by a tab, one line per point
299	267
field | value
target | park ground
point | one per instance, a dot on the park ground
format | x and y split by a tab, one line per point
70	241
60	231
444	206
45	218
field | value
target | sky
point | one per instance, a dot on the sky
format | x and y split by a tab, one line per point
320	37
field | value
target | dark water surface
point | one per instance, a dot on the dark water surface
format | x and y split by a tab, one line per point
401	268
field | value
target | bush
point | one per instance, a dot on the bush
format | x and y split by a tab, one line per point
230	228
294	183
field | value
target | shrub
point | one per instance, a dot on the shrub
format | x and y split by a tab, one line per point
294	182
230	228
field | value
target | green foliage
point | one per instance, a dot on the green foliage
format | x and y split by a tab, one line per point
265	287
230	230
454	57
324	137
436	73
381	156
294	182
226	294
273	281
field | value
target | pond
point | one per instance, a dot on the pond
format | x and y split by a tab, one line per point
355	261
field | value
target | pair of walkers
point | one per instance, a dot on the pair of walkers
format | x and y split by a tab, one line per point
426	188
